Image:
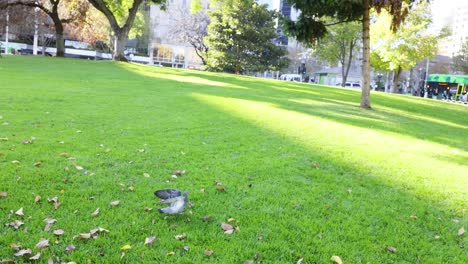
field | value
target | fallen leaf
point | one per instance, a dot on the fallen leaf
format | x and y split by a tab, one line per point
100	229
50	220
37	164
69	248
20	212
122	255
147	209
172	253
57	205
413	217
226	227
391	249
35	257
8	261
22	252
131	188
59	232
53	200
15	247
336	259
249	262
16	224
64	154
3	139
220	189
178	172
43	243
27	141
114	203
436	237
181	236
150	240
37	199
84	235
349	191
186	248
126	247
96	212
299	261
15	162
229	231
461	231
231	220
3	194
79	168
208	252
207	218
47	227
218	183
146	175
316	165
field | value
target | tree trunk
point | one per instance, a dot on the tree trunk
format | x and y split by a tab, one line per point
396	79
59	40
350	59
119	45
365	95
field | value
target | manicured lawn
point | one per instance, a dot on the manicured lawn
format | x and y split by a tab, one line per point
305	172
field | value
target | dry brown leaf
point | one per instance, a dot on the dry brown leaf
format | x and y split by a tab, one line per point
43	243
147	209
461	231
336	259
391	249
35	257
114	203
53	200
172	253
299	261
64	154
23	252
20	212
96	212
178	172
226	227
207	218
50	220
37	164
220	189
208	252
181	236
3	194
69	248
47	227
100	229
37	199
59	232
84	235
150	240
316	165
8	261
15	247
57	205
413	217
16	224
131	188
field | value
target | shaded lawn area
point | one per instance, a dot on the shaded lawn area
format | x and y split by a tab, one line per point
306	172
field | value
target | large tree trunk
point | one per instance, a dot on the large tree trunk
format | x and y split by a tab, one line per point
365	95
119	47
396	79
348	64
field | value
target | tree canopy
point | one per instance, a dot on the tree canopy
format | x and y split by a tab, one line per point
314	18
240	38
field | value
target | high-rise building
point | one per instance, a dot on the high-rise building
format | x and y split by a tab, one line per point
457	21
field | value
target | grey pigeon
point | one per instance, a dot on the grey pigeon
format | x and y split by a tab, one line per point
173	197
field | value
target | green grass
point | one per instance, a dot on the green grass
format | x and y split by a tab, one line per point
259	138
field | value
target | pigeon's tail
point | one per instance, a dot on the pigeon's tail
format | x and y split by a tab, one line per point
161	210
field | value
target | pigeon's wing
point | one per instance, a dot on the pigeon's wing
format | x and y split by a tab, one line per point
167	193
172	200
177	206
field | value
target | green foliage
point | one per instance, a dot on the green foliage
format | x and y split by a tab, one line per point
460	60
259	138
405	47
240	39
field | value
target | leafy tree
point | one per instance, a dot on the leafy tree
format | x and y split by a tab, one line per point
401	50
240	39
460	61
121	15
60	12
340	45
314	18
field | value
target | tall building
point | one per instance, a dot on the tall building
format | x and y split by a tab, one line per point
456	19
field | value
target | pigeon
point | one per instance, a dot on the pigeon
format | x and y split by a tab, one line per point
173	197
